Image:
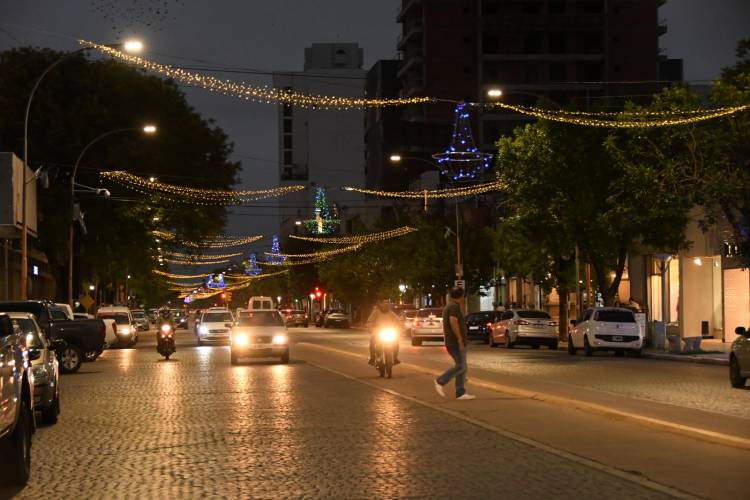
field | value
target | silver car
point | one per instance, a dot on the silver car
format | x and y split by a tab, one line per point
524	326
427	325
44	365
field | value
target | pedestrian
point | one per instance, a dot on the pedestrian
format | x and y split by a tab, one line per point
455	332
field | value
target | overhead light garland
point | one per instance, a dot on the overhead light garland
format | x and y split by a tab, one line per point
433	193
184	262
177	276
193	195
626	118
263	94
180	255
224	242
185	285
292	263
359	239
315	255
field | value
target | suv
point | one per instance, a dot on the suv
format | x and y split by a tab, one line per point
524	326
127	331
17	405
739	359
606	329
216	326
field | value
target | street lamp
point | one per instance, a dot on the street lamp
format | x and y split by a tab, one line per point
494	93
146	129
128	46
396	158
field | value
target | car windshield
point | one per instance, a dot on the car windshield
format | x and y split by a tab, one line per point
139	315
424	313
261	318
615	316
533	315
218	317
57	314
120	318
28	329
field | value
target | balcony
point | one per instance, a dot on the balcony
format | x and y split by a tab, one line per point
405	9
412	63
412	31
527	22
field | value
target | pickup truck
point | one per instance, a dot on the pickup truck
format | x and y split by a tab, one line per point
80	336
16	406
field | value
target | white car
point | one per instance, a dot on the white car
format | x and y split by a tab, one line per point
606	329
260	334
215	326
427	325
524	326
127	331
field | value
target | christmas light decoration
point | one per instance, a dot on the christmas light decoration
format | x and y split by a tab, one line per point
250	92
185	285
462	159
177	276
216	281
223	242
323	223
192	195
433	193
359	239
314	255
203	257
626	119
275	249
187	262
251	265
292	263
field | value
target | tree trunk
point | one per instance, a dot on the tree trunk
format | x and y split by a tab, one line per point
563	293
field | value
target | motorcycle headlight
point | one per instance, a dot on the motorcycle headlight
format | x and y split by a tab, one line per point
165	328
279	339
203	330
240	340
387	335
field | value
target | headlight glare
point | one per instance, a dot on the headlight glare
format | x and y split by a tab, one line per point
203	330
387	335
279	339
240	340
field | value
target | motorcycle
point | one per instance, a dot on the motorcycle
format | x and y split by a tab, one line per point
386	340
165	341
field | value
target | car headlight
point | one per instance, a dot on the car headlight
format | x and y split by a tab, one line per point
125	330
203	330
240	340
387	335
279	339
40	372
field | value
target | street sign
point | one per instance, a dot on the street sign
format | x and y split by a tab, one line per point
460	284
86	301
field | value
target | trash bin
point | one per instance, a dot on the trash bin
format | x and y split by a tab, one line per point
674	343
659	335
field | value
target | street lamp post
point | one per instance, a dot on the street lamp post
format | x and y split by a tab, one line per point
147	129
396	158
130	46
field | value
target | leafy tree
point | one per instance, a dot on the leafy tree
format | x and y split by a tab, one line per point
76	102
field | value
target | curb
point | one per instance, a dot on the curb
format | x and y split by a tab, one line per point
686	359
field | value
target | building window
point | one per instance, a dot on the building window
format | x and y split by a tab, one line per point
287	110
556	43
532	44
558	72
339	58
287	126
592	43
287	157
287	142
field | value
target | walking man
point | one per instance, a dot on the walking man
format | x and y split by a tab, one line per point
454	329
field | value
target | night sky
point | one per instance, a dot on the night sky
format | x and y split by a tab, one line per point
271	36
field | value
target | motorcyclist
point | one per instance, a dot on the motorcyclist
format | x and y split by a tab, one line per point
382	317
165	316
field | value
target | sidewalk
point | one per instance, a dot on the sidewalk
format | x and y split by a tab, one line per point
714	352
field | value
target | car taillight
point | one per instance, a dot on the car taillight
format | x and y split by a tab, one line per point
520	322
416	322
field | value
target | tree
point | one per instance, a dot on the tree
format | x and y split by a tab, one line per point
76	102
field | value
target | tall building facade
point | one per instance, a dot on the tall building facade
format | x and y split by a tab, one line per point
318	147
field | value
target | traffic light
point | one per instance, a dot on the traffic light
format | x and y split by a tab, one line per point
318	293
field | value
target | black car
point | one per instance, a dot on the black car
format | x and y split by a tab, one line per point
480	324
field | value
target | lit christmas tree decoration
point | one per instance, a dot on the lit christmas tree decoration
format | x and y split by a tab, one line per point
462	159
274	257
251	265
323	223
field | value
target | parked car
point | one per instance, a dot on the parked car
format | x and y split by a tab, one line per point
80	336
153	316
83	316
739	359
17	408
606	329
65	308
127	331
407	320
260	334
295	317
216	326
180	319
141	321
427	325
44	365
524	327
336	318
479	324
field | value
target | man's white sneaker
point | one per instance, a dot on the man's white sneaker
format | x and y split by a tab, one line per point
439	389
467	396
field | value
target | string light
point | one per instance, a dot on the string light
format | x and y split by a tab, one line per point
263	94
314	255
359	239
462	159
291	263
434	193
225	242
203	257
184	262
185	285
195	195
609	120
177	276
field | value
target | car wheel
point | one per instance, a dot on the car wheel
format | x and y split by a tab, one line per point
552	346
285	358
71	358
416	342
619	354
571	348
508	343
735	377
15	450
50	413
587	350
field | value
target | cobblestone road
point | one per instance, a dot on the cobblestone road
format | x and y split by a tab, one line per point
133	426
